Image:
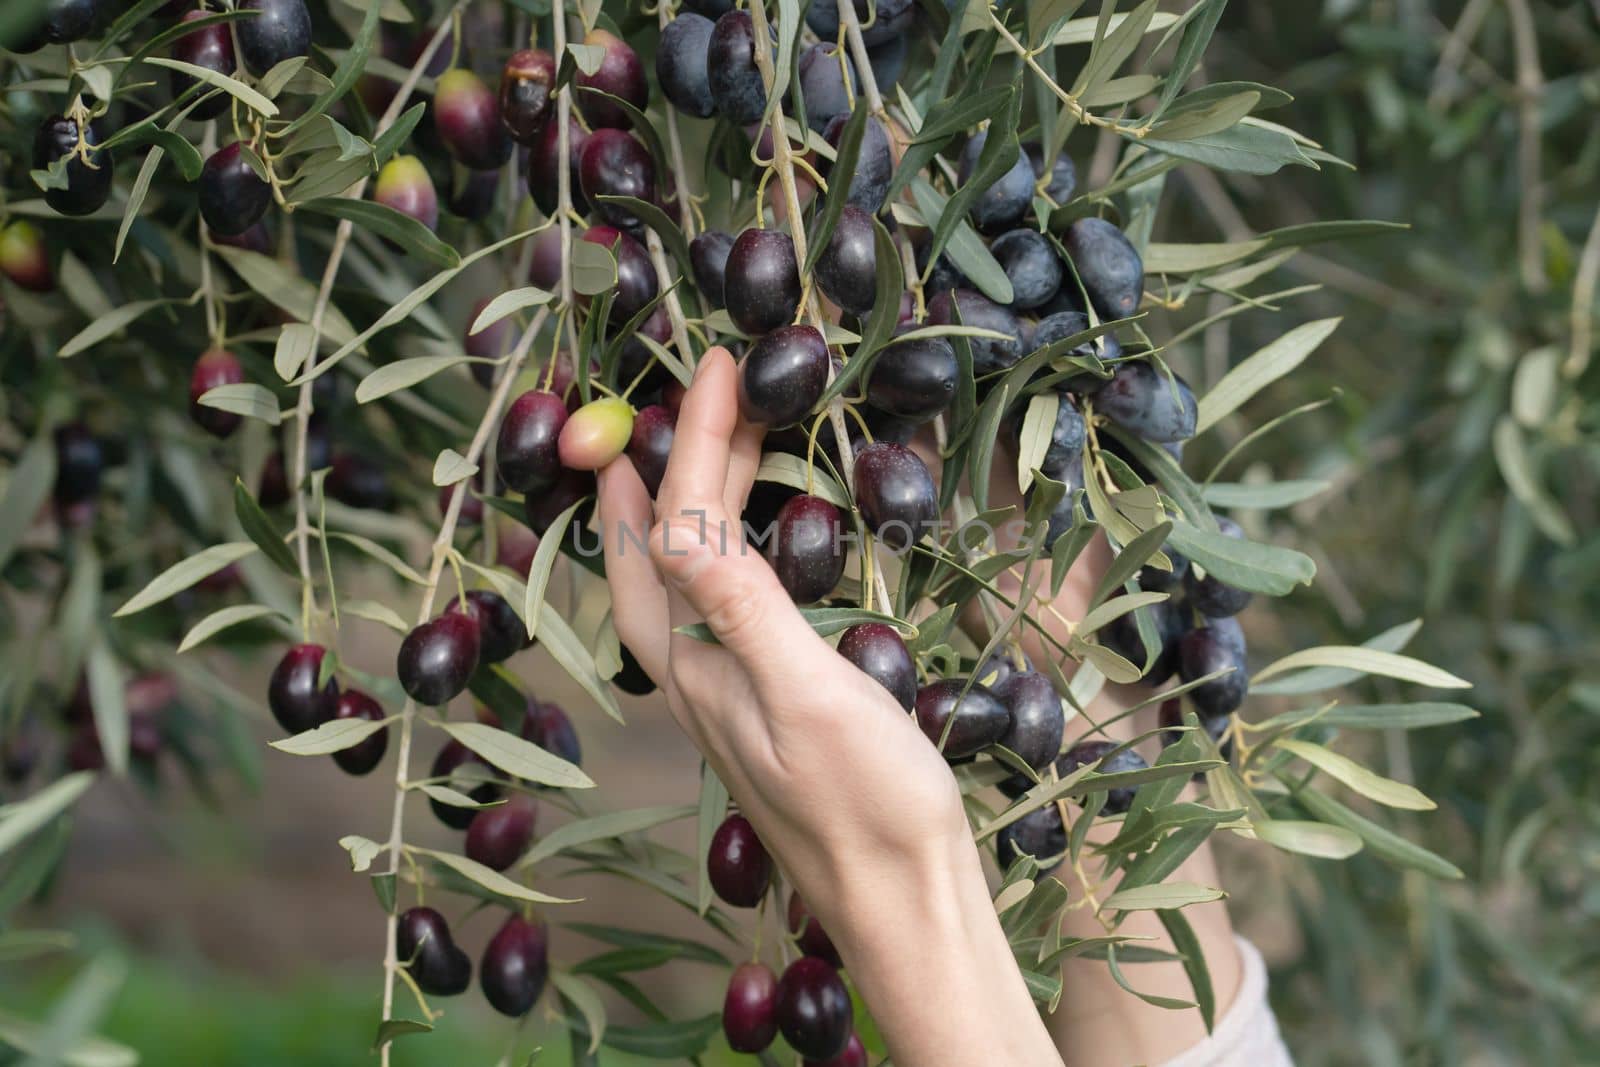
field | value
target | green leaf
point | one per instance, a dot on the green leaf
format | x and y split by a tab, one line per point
103	327
652	216
594	270
1203	18
244	398
1109	52
1384	843
180	576
391	140
1369	784
1261	369
508	303
844	169
519	758
588	1003
349	68
451	467
965	248
218	621
1243	564
382	555
403	374
390	1029
1517	467
362	851
27	488
712	810
1309	838
1082	31
786	469
260	530
1373	717
544	561
19	819
233	87
1262	496
1319	679
488	877
1366	661
1245	149
601	828
336	735
1194	959
412	236
1162	895
1214	117
286	289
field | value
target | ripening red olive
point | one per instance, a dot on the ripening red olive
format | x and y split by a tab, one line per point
526	452
651	444
738	864
808	933
783	375
761	283
232	197
615	163
544	157
426	950
807	549
210	47
814	1011
216	367
596	434
467	118
438	657
404	185
499	835
525	84
501	632
466	772
749	1008
515	966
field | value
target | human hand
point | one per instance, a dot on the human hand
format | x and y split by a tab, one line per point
857	806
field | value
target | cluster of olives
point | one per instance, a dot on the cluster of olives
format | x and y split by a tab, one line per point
512	972
809	1004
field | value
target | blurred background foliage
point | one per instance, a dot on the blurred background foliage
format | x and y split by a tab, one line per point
1461	447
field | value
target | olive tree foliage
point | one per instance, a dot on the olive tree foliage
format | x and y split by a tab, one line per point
364	436
1462	452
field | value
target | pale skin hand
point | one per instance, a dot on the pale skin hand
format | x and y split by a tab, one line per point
859	809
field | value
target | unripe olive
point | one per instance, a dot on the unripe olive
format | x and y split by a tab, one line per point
404	184
24	258
467	117
596	434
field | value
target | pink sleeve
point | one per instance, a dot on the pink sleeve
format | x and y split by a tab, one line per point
1248	1032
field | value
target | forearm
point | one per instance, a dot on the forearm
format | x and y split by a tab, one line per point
925	949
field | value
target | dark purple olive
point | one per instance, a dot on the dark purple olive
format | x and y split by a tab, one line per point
257	239
708	257
1121	635
621	75
216	367
66	21
88	183
467	773
1209	649
783	375
361	758
1060	325
637	284
1108	266
1143	401
809	936
749	1008
1003	203
681	64
880	22
615	163
877	649
914	379
822	83
1063	175
473	193
1154	580
426	950
1031	265
525	84
1215	726
438	657
1037	721
631	678
989	355
807	550
761	281
854	1054
210	47
296	700
544	167
980	720
281	30
526	452
360	482
498	836
515	966
232	197
1001	664
651	445
738	864
847	269
869	185
895	493
466	116
1086	752
814	1011
637	366
547	725
1038	834
501	632
1209	595
736	84
542	508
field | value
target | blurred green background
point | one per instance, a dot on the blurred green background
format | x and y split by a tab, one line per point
1464	464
